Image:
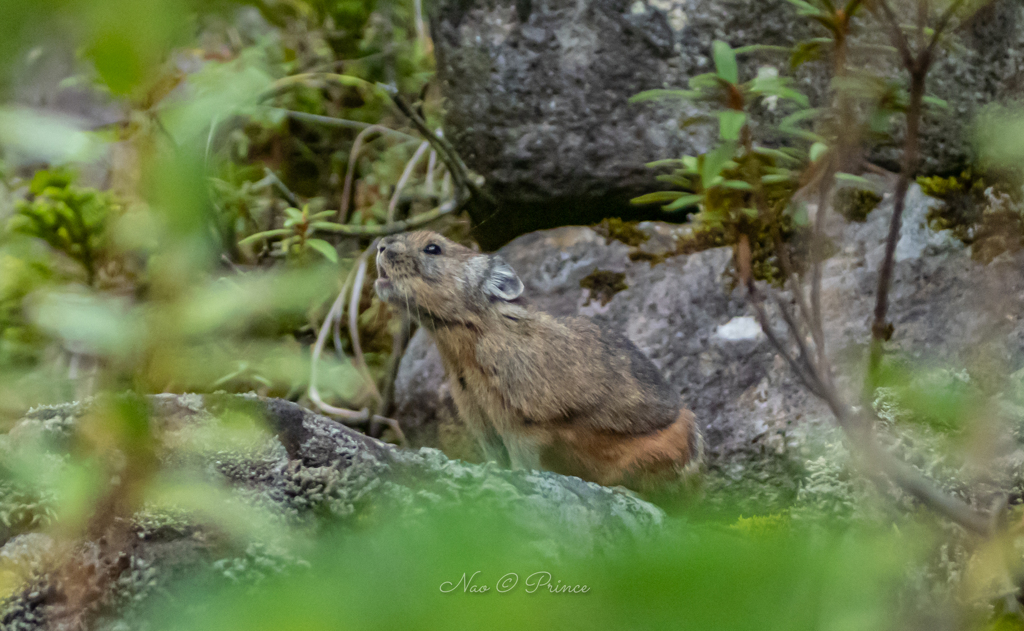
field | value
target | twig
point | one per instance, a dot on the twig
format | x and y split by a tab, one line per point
331	121
895	32
421	28
350	171
808	380
399	341
817	326
918	68
451	158
431	163
348	417
353	320
412	223
288	194
402	181
947	15
314	394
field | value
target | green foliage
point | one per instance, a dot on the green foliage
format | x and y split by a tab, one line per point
983	210
71	219
760	526
299	228
398	576
603	285
856	203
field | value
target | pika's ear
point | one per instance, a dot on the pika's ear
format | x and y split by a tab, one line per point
501	281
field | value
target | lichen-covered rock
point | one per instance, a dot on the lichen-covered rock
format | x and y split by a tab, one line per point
271	486
538	92
537	103
687	316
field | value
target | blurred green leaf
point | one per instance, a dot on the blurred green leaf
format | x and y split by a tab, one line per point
660	95
715	161
725	61
683	202
324	248
658	197
730	124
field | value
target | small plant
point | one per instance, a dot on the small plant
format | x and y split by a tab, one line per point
743	190
71	219
297	235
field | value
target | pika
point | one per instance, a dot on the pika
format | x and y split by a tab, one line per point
536	391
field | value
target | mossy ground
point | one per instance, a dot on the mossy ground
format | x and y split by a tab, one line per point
984	211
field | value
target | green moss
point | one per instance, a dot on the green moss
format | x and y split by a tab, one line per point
856	204
603	285
761	526
615	229
981	211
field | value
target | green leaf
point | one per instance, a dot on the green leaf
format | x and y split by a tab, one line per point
715	161
683	202
804	52
730	122
293	213
756	48
778	154
658	197
267	234
799	116
936	102
799	214
668	162
855	179
706	81
737	185
818	149
725	61
661	95
803	8
324	248
803	133
749	212
775	178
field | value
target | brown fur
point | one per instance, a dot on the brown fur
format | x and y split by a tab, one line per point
538	391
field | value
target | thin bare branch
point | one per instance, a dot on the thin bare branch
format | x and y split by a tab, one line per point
287	192
807	379
943	22
899	39
332	121
431	165
463	182
333	314
404	179
350	170
412	223
353	320
817	247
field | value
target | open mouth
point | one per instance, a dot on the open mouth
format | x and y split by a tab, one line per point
383	280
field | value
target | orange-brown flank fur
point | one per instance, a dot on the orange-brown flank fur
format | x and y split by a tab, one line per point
538	391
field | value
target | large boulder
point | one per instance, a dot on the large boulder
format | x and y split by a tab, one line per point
305	473
687	315
538	93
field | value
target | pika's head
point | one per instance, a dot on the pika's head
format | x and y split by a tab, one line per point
441	281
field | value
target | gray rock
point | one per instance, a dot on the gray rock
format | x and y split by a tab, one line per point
538	93
307	466
683	313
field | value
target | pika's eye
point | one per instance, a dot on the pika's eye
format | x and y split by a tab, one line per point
433	248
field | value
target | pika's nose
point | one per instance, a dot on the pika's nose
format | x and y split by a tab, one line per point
382	246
